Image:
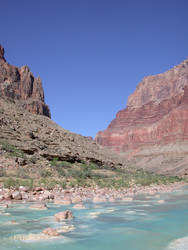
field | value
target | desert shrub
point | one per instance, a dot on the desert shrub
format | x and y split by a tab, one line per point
80	173
145	178
59	166
45	173
54	162
61	171
15	183
57	163
12	150
22	173
63	184
10	182
72	184
51	183
91	166
26	183
65	164
2	172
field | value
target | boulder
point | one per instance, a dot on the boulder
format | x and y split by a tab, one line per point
7	195
64	215
76	199
23	189
16	195
47	195
25	196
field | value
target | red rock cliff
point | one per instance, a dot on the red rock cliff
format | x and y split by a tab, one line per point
156	113
20	85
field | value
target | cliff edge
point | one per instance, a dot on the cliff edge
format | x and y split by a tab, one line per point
19	85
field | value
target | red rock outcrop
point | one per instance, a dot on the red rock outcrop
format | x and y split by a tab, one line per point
156	113
19	84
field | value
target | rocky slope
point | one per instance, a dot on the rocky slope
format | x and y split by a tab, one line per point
33	147
19	84
42	139
156	117
25	127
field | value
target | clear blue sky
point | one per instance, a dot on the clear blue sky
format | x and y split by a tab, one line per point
91	54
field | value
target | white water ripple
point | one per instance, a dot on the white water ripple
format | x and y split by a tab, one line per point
179	244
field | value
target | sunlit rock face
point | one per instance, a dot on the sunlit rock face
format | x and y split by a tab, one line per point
19	84
156	113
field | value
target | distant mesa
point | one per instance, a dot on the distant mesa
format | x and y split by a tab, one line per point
156	113
20	85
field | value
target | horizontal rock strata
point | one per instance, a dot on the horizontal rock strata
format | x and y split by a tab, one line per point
156	115
157	112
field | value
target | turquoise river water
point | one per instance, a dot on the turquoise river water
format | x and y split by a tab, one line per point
145	223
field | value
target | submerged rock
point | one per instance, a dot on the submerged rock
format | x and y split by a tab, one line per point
33	237
39	206
66	229
13	222
127	199
79	206
50	232
161	201
64	215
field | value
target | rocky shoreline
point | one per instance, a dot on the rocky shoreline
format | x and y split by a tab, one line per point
80	194
39	198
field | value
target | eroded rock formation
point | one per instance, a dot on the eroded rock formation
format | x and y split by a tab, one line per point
156	113
19	84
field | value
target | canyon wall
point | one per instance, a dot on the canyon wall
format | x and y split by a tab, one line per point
19	85
156	113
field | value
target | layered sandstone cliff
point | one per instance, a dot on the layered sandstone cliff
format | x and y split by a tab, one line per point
156	113
19	85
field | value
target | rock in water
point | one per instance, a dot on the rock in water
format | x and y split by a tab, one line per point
50	232
39	206
64	215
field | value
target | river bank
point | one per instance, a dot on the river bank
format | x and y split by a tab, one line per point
140	218
80	194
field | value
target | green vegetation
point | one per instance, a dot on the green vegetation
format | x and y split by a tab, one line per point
50	183
10	182
90	174
2	172
58	163
22	173
68	174
45	173
60	166
12	150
